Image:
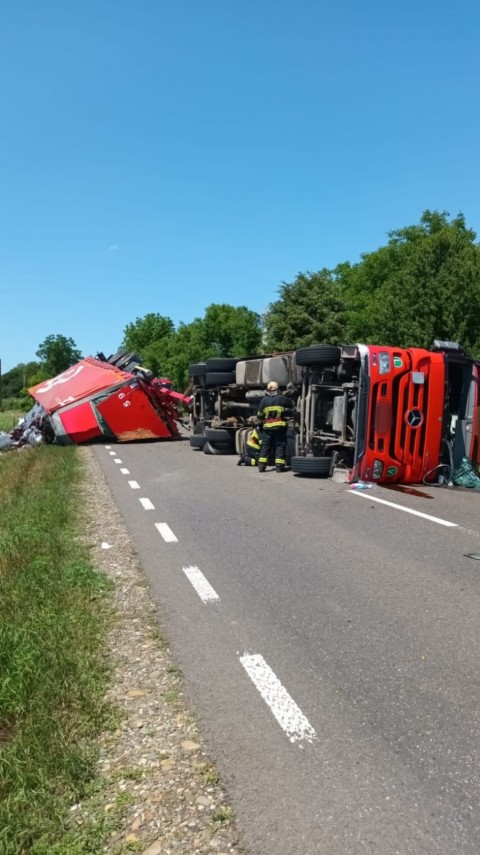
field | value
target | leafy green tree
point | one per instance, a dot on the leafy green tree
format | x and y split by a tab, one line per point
146	331
425	283
223	331
173	355
18	378
232	330
57	353
310	309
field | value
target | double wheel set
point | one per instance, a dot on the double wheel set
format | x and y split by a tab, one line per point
208	375
316	356
213	372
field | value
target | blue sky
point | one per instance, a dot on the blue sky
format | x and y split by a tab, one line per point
161	156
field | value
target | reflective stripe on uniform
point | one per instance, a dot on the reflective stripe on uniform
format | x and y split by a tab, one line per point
274	423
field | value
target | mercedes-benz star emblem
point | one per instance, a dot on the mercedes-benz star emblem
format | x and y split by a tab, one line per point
414	418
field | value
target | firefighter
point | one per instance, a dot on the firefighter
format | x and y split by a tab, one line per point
273	411
252	449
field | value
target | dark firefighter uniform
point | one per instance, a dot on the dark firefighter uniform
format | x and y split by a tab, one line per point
273	411
252	450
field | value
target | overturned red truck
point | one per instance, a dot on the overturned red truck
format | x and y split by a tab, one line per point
387	414
384	414
114	400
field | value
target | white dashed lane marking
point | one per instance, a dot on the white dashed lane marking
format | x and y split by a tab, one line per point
108	447
288	714
112	453
125	471
201	585
116	460
147	504
134	485
166	532
406	510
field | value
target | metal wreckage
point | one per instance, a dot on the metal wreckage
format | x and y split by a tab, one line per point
101	398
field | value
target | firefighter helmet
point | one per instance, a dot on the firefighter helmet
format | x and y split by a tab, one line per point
272	386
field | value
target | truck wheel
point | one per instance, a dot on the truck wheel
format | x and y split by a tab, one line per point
218	448
198	440
240	439
197	369
291	444
220	435
225	364
318	354
221	448
311	465
219	378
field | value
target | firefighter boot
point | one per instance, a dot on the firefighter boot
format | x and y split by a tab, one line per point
279	468
262	467
241	461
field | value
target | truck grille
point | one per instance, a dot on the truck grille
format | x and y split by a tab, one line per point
408	441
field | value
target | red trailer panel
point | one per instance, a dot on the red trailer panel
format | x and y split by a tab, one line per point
130	415
81	380
80	423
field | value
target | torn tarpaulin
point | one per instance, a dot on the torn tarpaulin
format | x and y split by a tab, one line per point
96	399
33	429
5	441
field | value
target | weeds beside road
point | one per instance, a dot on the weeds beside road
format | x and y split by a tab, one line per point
98	750
9	419
53	673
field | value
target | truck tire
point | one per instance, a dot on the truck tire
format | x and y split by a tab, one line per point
125	360
240	439
318	354
311	465
218	448
225	364
197	369
291	449
198	440
219	378
220	435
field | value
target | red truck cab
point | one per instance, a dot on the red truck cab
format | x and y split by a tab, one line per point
388	414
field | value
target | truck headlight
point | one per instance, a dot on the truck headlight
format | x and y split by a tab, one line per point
384	364
377	469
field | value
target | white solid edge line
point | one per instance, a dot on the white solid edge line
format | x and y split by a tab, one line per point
201	585
288	714
125	471
407	510
147	504
116	460
166	532
134	485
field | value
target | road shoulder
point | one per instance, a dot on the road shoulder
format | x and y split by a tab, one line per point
156	777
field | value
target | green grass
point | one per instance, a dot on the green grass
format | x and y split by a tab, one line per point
53	673
9	419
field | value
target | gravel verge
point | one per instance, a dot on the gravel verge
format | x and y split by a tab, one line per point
156	780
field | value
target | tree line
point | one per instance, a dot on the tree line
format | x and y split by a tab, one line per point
424	283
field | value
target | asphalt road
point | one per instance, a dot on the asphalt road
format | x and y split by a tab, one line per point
329	642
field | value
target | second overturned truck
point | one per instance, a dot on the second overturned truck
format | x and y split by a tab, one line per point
384	414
